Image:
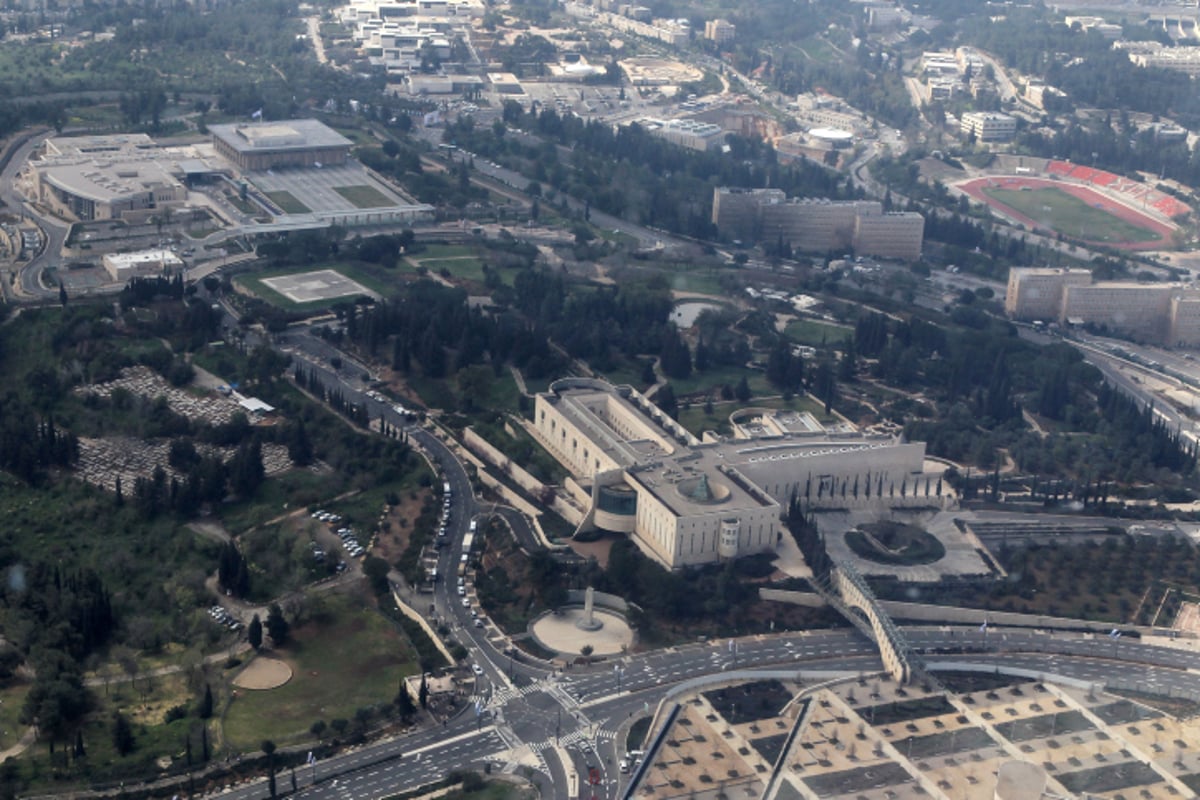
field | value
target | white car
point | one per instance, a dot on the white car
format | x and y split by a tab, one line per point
466	602
478	670
462	591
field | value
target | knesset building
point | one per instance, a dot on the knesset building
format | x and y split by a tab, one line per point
686	502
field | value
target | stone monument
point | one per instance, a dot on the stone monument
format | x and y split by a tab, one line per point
588	621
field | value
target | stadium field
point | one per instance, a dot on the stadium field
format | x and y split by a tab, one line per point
1072	216
1073	210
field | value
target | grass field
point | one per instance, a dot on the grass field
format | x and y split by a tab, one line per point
353	271
352	659
1071	216
815	334
364	196
288	202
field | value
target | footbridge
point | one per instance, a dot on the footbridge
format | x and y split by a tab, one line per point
849	593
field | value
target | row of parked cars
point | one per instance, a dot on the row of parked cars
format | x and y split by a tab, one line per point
346	534
221	616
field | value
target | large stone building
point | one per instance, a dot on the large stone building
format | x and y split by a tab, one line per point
259	146
1167	313
116	176
818	226
685	502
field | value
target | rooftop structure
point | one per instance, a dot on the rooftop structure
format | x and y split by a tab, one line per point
690	133
720	30
684	502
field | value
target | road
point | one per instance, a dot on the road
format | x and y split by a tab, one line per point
580	712
54	232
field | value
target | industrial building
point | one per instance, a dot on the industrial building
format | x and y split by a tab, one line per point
1166	314
817	225
685	502
259	146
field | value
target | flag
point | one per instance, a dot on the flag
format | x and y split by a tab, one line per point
1116	634
311	758
257	114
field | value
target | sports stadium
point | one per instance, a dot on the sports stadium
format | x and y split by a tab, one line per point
1083	204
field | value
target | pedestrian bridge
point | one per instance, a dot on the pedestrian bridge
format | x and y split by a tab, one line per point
855	600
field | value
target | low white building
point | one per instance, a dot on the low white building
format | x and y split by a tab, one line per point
123	266
988	126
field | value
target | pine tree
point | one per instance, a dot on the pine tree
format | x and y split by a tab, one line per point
254	632
206	703
122	733
404	702
423	693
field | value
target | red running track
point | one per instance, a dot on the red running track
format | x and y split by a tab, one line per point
975	188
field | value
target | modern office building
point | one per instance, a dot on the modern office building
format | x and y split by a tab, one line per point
259	146
685	502
817	225
988	126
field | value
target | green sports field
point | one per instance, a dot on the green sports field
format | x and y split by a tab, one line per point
1070	216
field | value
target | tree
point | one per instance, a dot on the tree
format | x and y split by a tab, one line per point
317	728
423	693
206	703
742	392
122	733
376	570
62	295
254	632
268	747
277	627
404	703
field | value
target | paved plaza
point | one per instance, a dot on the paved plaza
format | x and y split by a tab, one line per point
317	188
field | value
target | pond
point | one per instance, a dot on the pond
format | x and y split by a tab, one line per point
685	315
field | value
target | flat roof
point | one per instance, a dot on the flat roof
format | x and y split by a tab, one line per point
105	182
284	135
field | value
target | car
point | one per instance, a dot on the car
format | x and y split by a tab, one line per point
623	766
474	613
462	590
478	623
478	670
466	602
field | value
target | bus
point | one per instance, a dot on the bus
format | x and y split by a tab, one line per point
474	526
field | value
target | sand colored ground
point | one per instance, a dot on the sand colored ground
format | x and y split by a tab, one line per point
263	673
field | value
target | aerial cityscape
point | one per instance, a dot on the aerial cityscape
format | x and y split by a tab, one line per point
585	400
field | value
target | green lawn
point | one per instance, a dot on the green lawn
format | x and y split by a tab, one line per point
1070	216
352	658
814	334
288	202
364	196
11	699
711	381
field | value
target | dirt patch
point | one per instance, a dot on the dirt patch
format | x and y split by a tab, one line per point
396	528
263	673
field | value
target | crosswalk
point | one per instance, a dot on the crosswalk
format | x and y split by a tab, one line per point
572	738
510	693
